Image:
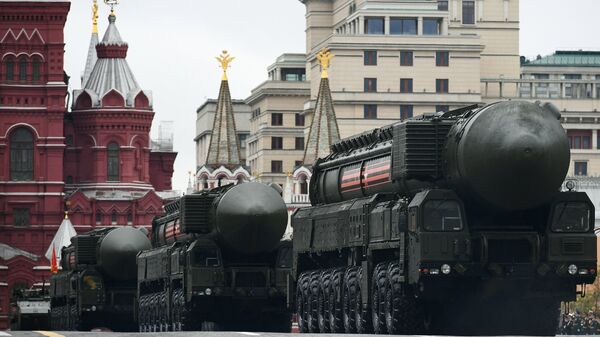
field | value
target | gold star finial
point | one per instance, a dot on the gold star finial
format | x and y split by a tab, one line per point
68	204
95	17
224	59
112	4
324	58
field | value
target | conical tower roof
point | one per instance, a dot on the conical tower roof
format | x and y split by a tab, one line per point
324	130
111	71
92	56
224	149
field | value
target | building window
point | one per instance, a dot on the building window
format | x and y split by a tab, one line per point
406	58
441	86
374	26
403	26
113	217
276	166
370	85
432	26
468	12
98	218
406	85
406	111
277	119
299	143
370	58
580	139
129	218
36	69
441	108
370	111
297	163
21	155
69	180
23	69
255	113
21	217
299	120
10	69
242	138
581	168
442	58
276	143
113	162
442	5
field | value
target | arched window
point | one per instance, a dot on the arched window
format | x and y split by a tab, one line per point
23	68
113	162
10	69
21	155
303	184
36	66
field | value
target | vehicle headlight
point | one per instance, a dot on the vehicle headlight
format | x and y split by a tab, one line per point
208	291
446	269
572	269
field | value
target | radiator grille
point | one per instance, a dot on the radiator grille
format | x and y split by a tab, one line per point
571	247
195	213
86	249
418	148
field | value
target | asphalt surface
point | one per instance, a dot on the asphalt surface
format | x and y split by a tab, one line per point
168	334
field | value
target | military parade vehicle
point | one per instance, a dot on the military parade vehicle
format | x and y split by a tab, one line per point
445	223
218	262
30	309
97	285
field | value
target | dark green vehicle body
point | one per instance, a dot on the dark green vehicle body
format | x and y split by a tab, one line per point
219	262
420	227
96	287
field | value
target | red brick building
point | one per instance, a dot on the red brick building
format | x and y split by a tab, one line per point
98	156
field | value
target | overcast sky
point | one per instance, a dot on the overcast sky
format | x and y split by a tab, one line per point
172	45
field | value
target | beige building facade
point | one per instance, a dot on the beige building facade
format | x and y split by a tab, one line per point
277	123
397	59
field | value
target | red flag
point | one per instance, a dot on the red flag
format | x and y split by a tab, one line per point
53	262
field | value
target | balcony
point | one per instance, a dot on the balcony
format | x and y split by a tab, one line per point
579	95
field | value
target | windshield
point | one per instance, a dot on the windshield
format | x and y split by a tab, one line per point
571	217
442	216
206	256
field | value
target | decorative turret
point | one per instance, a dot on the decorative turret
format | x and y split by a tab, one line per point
224	148
223	161
324	130
111	83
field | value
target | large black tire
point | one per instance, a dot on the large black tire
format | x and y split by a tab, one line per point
401	312
302	301
350	287
363	319
323	302
312	317
210	326
378	298
336	315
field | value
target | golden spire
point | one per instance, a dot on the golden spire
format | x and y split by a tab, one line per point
324	58
95	17
225	59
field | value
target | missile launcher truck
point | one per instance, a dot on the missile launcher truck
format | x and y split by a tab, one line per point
96	287
218	262
449	223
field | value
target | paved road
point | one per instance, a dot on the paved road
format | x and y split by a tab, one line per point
159	334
